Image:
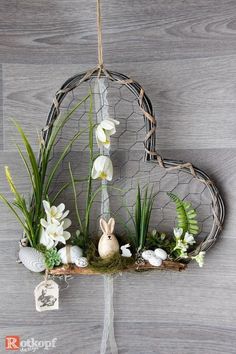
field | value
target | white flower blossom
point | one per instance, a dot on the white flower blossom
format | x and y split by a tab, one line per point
199	258
55	233
178	232
182	242
104	130
54	226
189	239
54	214
45	240
102	168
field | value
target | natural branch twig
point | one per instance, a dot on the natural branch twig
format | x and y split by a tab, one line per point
73	270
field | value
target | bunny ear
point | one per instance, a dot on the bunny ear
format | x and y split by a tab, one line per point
111	225
104	226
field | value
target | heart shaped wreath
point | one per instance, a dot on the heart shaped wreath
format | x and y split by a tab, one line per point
98	158
93	159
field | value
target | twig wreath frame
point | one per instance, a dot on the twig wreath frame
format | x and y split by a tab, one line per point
151	156
48	232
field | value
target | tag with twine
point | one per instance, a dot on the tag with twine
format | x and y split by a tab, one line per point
46	295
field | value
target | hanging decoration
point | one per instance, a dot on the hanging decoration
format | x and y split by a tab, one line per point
104	201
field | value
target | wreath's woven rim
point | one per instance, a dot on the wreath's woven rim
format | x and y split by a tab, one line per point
218	208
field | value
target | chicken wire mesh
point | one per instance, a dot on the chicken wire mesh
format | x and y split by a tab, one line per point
132	164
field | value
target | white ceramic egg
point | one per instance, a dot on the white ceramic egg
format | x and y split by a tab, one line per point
160	253
32	259
70	254
81	262
147	254
157	262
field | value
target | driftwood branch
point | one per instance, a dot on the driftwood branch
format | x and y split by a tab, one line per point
73	270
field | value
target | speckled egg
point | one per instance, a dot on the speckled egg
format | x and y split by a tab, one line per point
147	254
160	253
81	262
157	262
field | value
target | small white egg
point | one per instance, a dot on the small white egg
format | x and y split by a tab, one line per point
157	262
160	253
147	254
81	262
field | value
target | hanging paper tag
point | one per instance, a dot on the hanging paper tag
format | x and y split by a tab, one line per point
47	296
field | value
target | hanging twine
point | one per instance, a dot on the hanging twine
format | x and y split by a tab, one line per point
99	32
46	277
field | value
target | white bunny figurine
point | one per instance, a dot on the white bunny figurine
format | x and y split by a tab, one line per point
125	250
108	244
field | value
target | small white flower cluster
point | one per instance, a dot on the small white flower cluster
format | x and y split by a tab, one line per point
102	166
54	226
182	244
199	258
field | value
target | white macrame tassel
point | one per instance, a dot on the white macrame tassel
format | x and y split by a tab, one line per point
108	324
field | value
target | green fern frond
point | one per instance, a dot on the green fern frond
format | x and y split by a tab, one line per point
186	215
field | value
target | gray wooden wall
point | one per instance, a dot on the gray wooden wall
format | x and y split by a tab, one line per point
184	54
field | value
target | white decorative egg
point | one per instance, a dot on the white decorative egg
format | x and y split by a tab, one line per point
157	262
147	254
70	254
81	262
160	253
32	259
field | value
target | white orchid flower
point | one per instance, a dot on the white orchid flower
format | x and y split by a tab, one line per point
54	226
104	130
178	232
54	213
66	223
53	234
189	239
45	240
199	258
102	168
46	223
